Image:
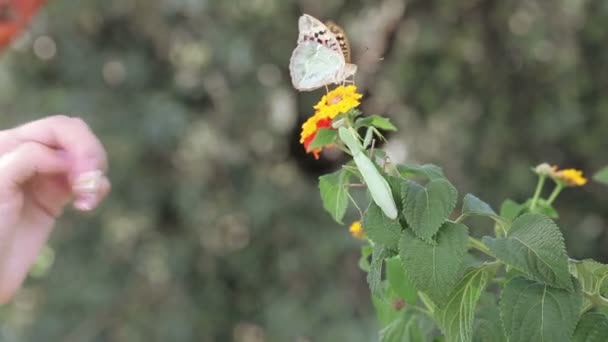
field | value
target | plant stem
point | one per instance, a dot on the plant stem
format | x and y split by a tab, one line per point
539	188
596	299
423	310
427	302
478	245
558	188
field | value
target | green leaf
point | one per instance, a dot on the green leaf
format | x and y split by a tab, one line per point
323	137
601	176
364	262
471	205
592	327
380	228
334	193
407	328
510	210
488	326
384	303
426	208
376	121
535	246
399	280
374	276
533	311
542	207
592	275
395	183
457	317
434	269
428	171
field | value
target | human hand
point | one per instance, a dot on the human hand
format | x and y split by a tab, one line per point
44	165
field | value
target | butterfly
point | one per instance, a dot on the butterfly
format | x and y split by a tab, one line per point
321	57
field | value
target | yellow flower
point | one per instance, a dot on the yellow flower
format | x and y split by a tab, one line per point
571	177
356	230
340	100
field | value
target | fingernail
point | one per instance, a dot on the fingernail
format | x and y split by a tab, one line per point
87	182
86	202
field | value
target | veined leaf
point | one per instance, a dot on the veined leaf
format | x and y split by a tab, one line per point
456	318
334	193
488	326
510	210
384	303
323	137
471	205
434	269
426	208
380	228
592	327
376	121
395	184
542	207
400	282
428	171
533	311
374	276
535	246
592	275
409	327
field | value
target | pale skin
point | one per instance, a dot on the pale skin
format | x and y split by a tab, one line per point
44	166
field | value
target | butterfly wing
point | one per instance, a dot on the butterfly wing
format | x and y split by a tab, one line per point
313	66
341	38
311	29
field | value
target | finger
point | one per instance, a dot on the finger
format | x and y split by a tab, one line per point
91	192
70	134
80	145
24	162
20	246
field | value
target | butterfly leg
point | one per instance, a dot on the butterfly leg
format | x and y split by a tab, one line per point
348	81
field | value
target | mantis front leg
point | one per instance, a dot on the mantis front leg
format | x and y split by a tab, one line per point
377	185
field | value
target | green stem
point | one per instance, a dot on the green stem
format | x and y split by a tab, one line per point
558	188
427	302
539	188
423	311
596	299
478	245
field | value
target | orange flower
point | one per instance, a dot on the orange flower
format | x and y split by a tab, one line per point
14	16
309	132
338	101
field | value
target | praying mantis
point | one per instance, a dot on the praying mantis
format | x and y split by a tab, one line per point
377	185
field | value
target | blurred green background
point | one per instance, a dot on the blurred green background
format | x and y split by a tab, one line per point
214	230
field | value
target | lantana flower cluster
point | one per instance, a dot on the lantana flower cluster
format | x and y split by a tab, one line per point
339	100
566	177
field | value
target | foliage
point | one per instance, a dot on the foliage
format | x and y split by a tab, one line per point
542	292
214	231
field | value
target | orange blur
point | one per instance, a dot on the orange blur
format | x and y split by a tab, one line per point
14	17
